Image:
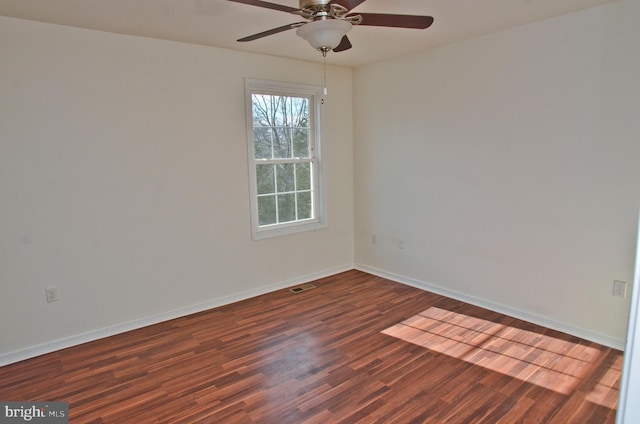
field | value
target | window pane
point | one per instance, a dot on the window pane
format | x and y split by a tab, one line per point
261	109
266	210
285	177
303	176
300	112
280	111
286	207
265	179
262	141
282	143
301	142
304	205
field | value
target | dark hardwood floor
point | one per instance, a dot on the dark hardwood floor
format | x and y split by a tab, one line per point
356	349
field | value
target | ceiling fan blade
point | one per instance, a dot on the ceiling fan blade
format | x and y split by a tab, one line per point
396	21
348	4
271	31
345	44
268	5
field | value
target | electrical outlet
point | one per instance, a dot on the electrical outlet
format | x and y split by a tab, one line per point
52	294
401	244
374	239
620	289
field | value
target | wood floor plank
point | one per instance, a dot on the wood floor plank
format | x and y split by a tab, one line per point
356	349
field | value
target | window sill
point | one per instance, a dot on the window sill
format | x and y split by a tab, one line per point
280	230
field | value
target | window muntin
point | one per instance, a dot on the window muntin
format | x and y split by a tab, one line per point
283	135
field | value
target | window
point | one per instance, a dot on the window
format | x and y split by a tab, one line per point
283	122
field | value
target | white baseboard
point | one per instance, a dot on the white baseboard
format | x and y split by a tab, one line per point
41	349
580	332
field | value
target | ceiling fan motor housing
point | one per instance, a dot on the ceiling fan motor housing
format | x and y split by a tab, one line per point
314	4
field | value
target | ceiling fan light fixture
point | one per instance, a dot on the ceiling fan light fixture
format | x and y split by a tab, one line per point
324	34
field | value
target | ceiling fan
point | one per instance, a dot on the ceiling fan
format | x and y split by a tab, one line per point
328	22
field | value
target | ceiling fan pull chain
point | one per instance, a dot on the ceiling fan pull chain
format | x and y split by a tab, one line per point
324	74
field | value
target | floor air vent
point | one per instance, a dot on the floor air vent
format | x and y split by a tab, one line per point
302	288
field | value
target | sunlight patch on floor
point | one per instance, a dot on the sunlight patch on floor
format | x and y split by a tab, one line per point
545	361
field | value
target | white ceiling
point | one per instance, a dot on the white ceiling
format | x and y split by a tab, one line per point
219	22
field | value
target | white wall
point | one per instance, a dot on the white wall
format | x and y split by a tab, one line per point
124	182
508	164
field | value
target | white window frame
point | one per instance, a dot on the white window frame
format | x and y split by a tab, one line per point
314	93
